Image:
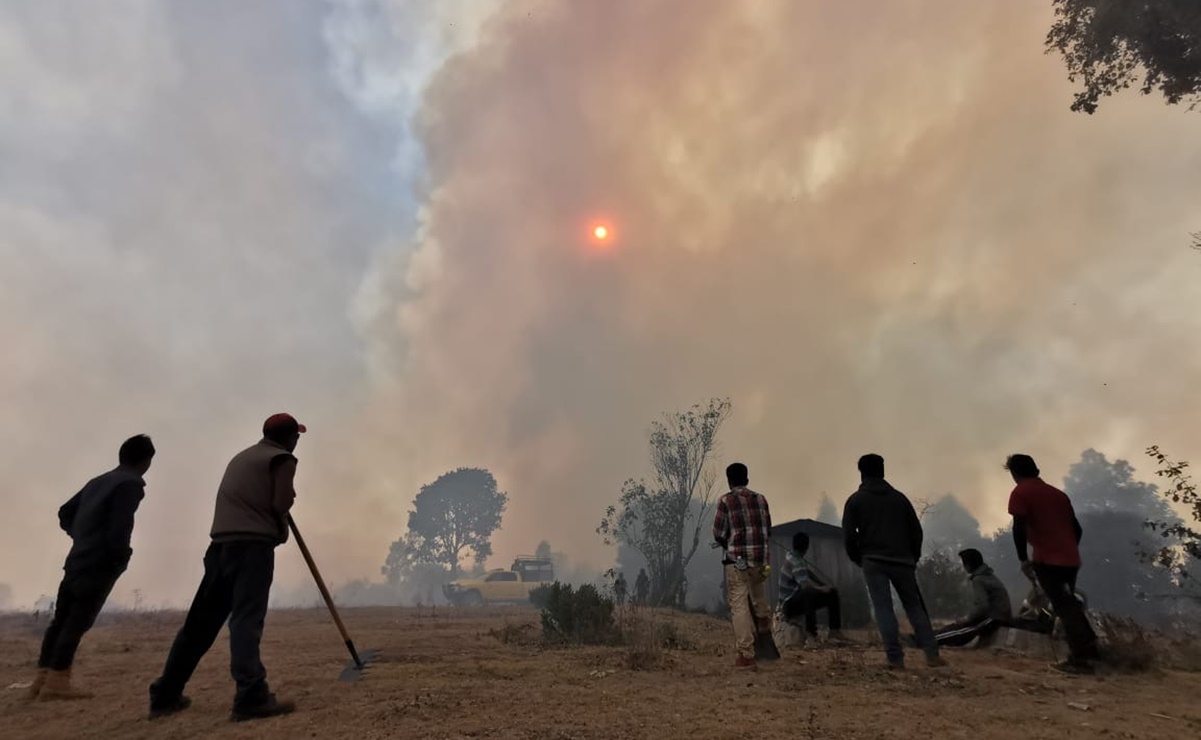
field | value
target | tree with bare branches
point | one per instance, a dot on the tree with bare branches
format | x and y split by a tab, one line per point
663	519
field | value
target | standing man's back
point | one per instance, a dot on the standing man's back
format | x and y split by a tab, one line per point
884	537
100	521
742	526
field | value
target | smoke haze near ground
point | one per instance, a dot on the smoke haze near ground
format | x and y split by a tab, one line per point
873	227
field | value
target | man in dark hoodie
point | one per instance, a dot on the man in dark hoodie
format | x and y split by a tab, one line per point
884	537
991	608
100	521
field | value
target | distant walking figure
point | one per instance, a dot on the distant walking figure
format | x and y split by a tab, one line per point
884	537
642	587
1043	516
100	521
619	589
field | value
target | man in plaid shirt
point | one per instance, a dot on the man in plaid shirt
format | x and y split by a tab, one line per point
742	526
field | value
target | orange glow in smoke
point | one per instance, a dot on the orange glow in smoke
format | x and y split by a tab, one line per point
601	232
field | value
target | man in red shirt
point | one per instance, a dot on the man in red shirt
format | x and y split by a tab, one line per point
1043	516
742	526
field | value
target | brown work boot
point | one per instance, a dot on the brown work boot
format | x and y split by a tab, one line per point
269	707
35	688
745	663
58	688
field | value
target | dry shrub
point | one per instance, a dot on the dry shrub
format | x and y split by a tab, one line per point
1127	646
515	634
649	640
578	616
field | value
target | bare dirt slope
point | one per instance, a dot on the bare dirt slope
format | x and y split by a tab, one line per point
470	673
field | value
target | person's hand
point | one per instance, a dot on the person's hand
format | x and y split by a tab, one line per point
1028	569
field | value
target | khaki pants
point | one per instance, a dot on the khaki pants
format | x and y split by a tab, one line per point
739	585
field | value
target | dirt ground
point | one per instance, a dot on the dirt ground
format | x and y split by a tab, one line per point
482	673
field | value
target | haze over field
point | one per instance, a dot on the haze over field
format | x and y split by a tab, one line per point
872	226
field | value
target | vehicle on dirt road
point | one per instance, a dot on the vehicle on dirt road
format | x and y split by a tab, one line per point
512	586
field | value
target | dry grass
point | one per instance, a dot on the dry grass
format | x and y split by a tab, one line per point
486	673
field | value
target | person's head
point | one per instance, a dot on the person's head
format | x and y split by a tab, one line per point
972	559
737	475
1021	467
800	543
283	430
136	452
871	466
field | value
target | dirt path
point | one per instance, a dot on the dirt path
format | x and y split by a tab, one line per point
481	674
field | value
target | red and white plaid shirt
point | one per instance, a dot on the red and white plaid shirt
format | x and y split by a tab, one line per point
743	525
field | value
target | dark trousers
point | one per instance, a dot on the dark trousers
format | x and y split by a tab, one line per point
81	596
881	578
1059	583
807	601
962	633
236	585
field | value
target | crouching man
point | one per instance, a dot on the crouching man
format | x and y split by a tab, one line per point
991	609
803	591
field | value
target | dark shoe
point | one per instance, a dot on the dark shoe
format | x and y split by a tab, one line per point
935	661
167	708
836	637
1075	667
745	663
895	665
271	707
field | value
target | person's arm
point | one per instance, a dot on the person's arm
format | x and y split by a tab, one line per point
721	523
915	533
979	602
850	531
284	493
67	512
1019	538
767	537
1079	530
124	504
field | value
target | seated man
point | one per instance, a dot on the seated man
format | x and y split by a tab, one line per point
991	609
803	591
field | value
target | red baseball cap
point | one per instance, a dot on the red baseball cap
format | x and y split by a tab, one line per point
283	423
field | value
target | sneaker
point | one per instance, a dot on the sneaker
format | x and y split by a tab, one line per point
745	663
935	661
1075	667
167	708
271	707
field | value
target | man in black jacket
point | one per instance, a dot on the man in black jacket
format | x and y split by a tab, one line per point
884	537
100	521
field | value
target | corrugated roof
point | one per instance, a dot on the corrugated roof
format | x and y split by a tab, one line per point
811	527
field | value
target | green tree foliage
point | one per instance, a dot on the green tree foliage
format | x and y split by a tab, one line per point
452	516
576	615
1180	543
949	526
661	519
543	551
1108	45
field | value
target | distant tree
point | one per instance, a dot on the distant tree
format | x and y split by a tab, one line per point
1180	544
1112	507
662	519
828	513
949	526
410	576
1110	45
455	514
543	552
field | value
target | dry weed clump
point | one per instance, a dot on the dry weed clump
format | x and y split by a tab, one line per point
1126	646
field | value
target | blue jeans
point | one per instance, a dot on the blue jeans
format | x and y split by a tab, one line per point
880	577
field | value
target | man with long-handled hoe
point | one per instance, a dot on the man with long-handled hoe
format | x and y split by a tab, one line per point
250	521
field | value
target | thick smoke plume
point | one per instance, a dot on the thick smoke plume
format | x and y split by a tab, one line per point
873	227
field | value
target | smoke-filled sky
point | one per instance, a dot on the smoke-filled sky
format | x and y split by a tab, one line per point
874	226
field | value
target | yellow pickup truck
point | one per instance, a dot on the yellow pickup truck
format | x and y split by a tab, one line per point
512	586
